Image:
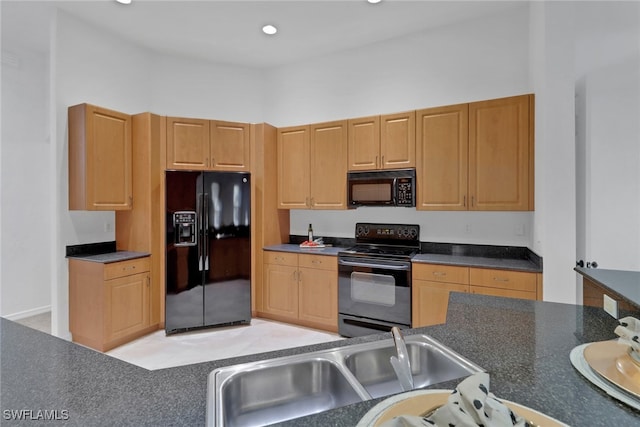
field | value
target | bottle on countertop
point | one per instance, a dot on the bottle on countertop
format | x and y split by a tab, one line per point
310	233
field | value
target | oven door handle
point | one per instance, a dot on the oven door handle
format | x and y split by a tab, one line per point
401	267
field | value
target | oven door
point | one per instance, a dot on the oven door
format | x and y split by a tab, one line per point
375	289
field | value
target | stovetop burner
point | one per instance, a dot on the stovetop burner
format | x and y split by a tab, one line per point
386	240
383	250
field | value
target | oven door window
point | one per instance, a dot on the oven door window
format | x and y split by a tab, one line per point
372	288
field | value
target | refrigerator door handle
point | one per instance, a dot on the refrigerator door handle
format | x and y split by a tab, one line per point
205	243
200	222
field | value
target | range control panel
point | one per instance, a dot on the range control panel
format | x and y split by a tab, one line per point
403	232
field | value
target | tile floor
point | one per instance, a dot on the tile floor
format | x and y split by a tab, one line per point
158	351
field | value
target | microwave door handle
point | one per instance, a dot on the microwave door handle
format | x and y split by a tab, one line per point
394	191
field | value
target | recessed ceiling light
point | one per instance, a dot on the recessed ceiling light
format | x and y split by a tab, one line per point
124	1
374	1
269	29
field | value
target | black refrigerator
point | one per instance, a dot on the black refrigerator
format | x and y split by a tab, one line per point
208	250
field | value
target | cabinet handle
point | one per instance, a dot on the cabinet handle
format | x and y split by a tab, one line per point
315	261
376	161
130	200
295	275
500	279
473	201
313	201
148	281
382	163
439	273
464	200
213	162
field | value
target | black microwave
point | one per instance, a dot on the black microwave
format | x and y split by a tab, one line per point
392	187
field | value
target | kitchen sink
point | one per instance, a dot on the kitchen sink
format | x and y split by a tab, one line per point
276	390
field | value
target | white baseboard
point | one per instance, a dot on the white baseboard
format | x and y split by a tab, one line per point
28	313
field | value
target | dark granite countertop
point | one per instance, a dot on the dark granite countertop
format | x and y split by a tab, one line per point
524	345
111	256
467	256
622	282
478	261
288	247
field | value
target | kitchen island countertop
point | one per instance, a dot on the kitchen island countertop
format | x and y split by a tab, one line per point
622	282
524	345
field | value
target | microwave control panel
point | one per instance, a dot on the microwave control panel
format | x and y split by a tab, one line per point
405	192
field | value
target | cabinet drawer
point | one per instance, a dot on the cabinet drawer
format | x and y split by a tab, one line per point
126	268
322	262
441	273
499	292
281	258
503	279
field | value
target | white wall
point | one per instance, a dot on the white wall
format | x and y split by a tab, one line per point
608	71
553	77
25	274
458	63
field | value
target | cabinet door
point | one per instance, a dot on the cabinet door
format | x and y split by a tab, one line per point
318	297
293	148
442	158
126	305
398	140
187	143
431	302
364	143
328	163
99	159
499	154
230	146
281	290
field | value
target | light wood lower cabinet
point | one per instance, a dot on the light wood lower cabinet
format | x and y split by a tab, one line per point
109	304
301	289
432	284
503	283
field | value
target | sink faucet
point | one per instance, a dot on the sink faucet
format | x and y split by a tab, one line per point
401	364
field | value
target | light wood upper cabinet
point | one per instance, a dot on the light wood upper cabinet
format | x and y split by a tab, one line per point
99	159
196	144
364	143
476	156
442	158
398	140
293	148
500	154
382	142
328	165
230	146
187	143
312	168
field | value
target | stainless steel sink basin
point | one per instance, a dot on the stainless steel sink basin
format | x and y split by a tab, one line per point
266	394
431	363
285	388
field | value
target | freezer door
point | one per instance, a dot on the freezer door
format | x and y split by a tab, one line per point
184	303
227	248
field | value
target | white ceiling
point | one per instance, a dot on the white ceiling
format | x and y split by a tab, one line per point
230	31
